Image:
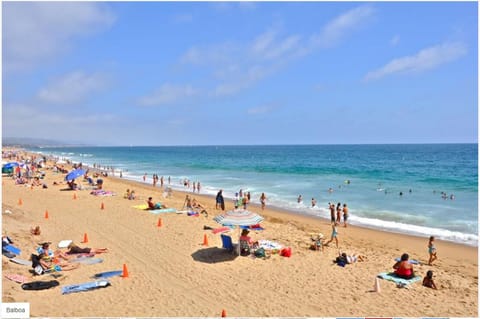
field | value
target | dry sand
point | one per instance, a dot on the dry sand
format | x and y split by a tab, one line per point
172	274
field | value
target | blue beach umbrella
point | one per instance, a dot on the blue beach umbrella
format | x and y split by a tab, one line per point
11	165
74	174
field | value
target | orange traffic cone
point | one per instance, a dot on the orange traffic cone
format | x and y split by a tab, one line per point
85	238
224	313
102	206
20	202
205	240
125	271
74	195
159	224
46	214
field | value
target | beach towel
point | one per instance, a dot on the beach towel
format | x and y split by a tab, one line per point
85	286
392	277
269	245
16	277
221	230
155	211
411	261
101	192
40	285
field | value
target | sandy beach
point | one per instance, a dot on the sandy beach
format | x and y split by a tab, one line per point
171	272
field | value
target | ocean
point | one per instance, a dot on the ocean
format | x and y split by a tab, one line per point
369	178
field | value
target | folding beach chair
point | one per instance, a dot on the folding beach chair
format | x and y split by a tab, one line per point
227	243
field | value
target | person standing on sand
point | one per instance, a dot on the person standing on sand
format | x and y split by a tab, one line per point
144	177
263	200
432	251
198	187
345	215
339	213
332	212
219	201
299	199
161	181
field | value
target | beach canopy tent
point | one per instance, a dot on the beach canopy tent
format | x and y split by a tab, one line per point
238	217
74	174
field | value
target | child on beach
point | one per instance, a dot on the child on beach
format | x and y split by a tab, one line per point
317	242
428	280
334	235
431	250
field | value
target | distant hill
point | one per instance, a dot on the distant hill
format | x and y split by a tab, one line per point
32	142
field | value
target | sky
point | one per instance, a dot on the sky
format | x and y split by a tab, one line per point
236	73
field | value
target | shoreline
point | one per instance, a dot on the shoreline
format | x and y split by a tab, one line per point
291	213
173	274
390	224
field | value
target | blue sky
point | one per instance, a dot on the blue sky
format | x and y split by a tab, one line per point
202	73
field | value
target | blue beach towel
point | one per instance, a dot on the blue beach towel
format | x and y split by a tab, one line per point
390	276
85	286
164	210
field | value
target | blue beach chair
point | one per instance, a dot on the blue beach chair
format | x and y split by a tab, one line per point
227	243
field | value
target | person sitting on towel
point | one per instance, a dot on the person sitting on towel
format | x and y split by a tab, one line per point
74	249
152	205
403	268
50	254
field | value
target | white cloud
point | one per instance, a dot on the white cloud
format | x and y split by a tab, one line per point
168	94
72	88
425	59
341	26
238	66
35	32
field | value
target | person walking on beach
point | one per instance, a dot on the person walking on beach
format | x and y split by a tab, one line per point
299	199
219	201
345	215
334	235
263	200
144	177
432	250
161	181
198	187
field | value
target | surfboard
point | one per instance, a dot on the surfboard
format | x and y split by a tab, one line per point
85	286
164	210
64	243
87	260
108	274
21	261
16	277
40	285
12	249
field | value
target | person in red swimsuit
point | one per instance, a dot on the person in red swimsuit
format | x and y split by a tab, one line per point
403	268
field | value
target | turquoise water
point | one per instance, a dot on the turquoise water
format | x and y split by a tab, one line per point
377	175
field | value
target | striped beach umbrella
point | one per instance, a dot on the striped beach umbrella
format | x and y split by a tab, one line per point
238	217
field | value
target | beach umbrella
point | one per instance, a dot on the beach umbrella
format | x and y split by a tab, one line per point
11	165
238	217
74	174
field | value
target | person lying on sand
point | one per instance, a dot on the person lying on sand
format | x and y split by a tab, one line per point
74	249
48	264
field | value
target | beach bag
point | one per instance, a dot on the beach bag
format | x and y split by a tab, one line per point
286	252
260	252
244	248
